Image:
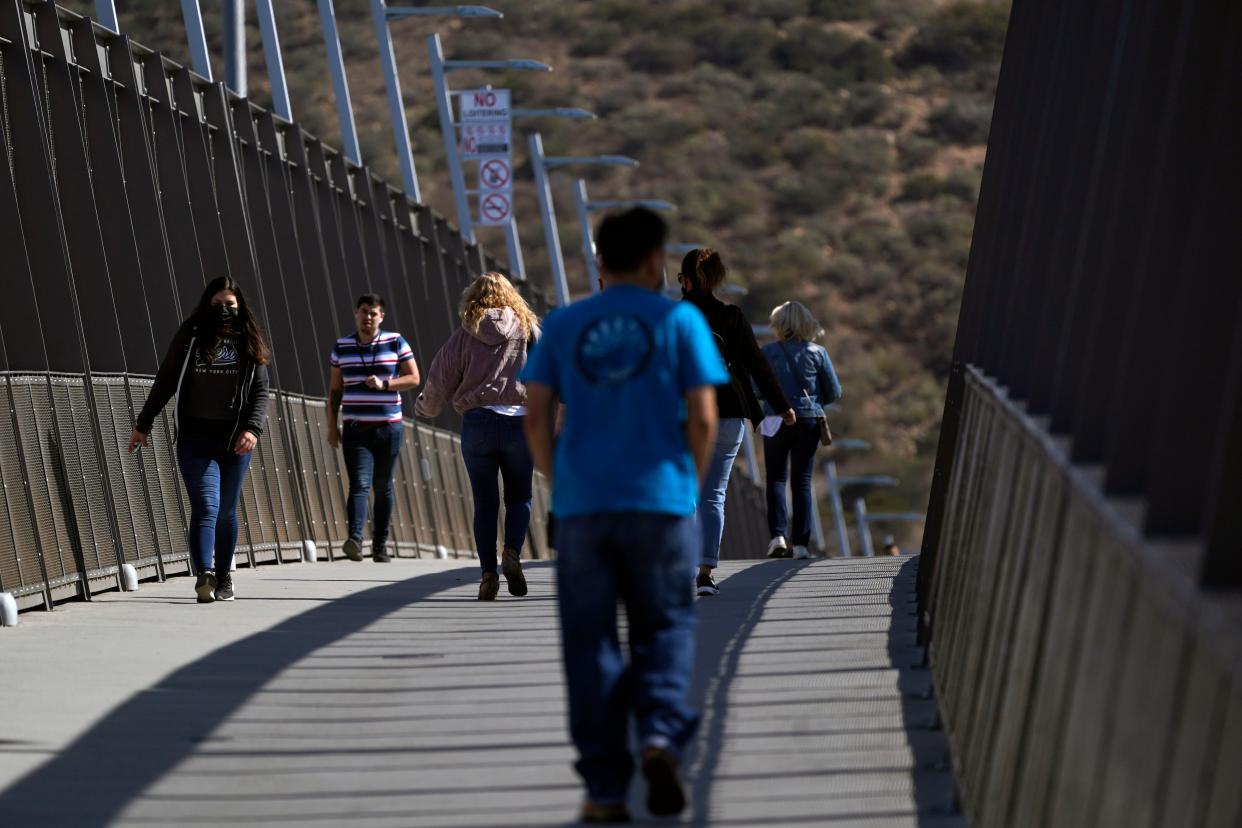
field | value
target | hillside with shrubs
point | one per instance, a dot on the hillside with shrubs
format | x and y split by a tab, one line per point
831	149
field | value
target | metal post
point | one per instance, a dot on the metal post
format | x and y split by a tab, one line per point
588	243
517	266
864	529
340	87
197	39
449	134
838	508
274	59
234	25
551	234
396	107
105	13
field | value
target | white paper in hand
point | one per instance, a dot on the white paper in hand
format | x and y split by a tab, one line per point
770	426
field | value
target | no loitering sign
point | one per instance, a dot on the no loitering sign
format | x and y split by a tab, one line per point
485	136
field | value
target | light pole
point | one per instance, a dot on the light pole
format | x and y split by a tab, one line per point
884	517
834	491
340	88
439	68
586	207
381	14
541	164
552	237
871	481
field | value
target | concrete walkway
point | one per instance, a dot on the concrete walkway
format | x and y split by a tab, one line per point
386	695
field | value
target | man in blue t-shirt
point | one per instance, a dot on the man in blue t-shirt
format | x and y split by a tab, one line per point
370	369
636	373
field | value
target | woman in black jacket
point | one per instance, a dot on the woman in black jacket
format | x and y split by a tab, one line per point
702	272
217	368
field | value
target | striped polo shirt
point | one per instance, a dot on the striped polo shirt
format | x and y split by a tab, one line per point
381	356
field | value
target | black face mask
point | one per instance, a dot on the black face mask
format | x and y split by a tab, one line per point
223	316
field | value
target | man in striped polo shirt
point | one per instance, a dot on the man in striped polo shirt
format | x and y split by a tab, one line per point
370	369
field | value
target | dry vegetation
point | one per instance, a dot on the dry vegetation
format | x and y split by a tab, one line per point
831	149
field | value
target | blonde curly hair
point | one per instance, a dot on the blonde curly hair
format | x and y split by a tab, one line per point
493	290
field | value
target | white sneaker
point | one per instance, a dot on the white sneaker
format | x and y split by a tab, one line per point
801	553
777	548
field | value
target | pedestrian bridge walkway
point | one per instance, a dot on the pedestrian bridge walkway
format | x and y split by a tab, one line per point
387	695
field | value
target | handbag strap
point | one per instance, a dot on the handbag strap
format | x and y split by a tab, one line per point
793	369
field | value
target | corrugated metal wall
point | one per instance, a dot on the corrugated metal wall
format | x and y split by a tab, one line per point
1082	571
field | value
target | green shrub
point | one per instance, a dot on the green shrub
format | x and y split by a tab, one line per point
743	47
866	104
914	151
832	57
656	56
961	185
963	120
842	9
960	37
778	11
596	39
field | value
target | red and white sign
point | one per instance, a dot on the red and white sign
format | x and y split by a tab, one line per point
485	136
495	208
483	106
476	140
496	173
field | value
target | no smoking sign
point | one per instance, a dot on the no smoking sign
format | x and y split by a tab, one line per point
495	173
495	208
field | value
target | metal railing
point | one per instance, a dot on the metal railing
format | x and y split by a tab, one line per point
126	182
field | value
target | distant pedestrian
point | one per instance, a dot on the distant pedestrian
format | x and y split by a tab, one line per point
217	368
370	369
477	370
806	375
702	272
636	373
890	547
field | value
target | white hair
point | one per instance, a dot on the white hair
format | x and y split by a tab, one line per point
792	320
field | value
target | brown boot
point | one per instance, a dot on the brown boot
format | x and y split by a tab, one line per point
594	813
511	566
489	586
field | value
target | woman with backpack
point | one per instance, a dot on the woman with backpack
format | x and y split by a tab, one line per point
217	368
806	375
702	272
477	371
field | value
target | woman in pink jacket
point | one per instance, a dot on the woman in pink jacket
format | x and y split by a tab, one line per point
477	371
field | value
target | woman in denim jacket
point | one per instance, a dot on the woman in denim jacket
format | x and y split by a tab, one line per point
806	375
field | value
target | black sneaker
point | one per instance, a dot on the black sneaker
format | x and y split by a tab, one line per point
665	796
706	584
352	549
380	555
224	586
205	587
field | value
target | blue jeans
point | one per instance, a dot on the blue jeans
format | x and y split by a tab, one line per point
789	455
213	478
716	486
647	561
494	444
371	451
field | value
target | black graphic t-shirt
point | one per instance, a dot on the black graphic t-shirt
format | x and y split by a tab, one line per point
209	392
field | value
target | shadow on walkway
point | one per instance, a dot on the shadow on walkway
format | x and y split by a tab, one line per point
723	633
86	784
718	651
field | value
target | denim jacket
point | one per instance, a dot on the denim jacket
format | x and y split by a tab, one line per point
815	375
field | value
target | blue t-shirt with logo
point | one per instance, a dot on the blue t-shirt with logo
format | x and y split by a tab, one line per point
622	363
